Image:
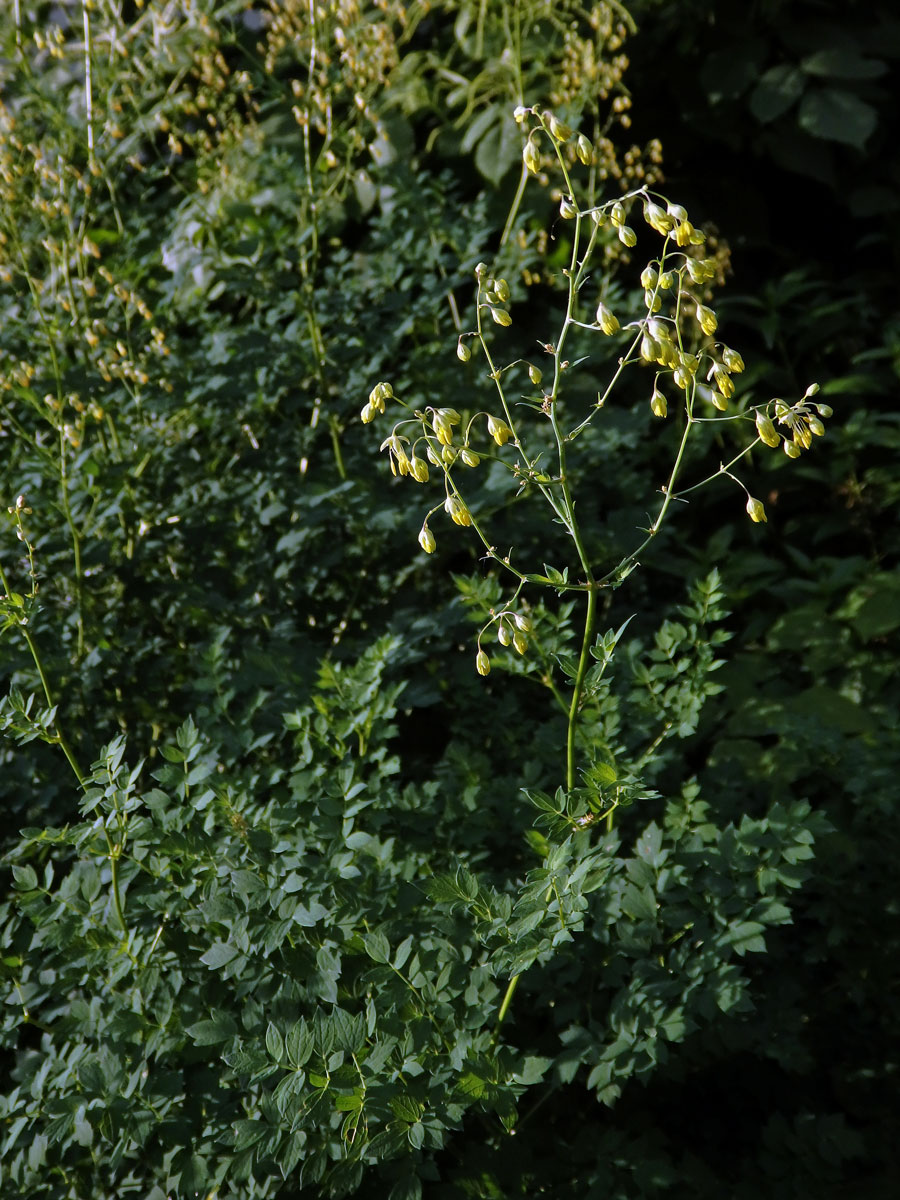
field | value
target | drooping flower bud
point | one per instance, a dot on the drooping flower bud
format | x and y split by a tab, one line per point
535	374
649	277
482	663
500	316
658	405
677	212
426	540
723	381
627	236
606	319
567	208
707	319
756	510
657	218
418	468
499	430
463	352
523	622
520	641
683	233
531	157
791	449
766	430
732	360
560	130
459	513
584	150
469	457
617	214
504	634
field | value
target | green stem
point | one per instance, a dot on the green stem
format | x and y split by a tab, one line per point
504	1007
578	688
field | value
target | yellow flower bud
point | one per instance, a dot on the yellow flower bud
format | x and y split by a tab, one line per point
683	233
418	468
732	360
499	430
535	374
426	540
463	353
658	405
657	218
567	208
531	157
667	280
707	319
482	663
584	150
682	377
606	319
627	236
459	513
617	214
766	430
756	510
523	622
367	414
470	458
816	426
559	129
723	381
676	212
649	277
500	316
791	449
520	641
504	634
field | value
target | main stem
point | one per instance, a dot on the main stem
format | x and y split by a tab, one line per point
578	687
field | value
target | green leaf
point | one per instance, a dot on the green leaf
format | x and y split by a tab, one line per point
377	947
25	877
843	62
220	1027
274	1043
778	89
838	116
299	1043
639	903
220	954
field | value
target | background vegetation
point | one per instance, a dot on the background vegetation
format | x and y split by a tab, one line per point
257	931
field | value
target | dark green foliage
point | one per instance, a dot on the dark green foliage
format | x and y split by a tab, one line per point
265	947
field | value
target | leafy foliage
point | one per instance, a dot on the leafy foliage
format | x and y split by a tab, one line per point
260	934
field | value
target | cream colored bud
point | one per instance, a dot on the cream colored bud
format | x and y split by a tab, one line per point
500	316
766	430
627	236
657	218
683	233
653	300
531	157
811	391
658	405
707	319
718	401
598	216
499	430
520	112
606	319
732	360
756	510
504	634
559	129
459	513
523	622
617	214
520	641
449	455
426	540
367	414
433	457
567	208
650	348
469	457
463	353
723	381
824	410
501	287
482	663
682	377
418	468
584	150
649	277
535	374
677	212
791	449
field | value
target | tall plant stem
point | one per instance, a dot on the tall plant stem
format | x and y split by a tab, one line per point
578	687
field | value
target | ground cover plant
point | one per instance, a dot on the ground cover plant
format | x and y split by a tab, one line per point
334	867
